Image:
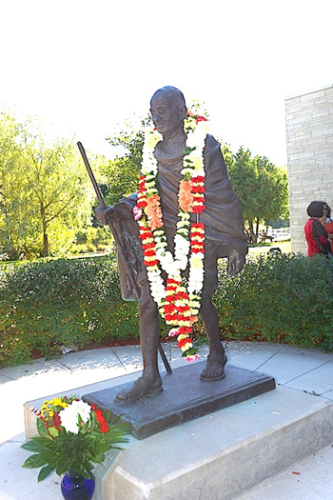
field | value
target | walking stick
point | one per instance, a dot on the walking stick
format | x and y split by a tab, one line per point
118	243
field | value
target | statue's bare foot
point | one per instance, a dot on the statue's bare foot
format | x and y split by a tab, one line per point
139	390
214	370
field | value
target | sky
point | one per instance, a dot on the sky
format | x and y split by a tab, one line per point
85	67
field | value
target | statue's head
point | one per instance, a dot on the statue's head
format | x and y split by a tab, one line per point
168	110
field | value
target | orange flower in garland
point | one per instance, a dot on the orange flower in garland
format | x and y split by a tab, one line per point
154	212
185	195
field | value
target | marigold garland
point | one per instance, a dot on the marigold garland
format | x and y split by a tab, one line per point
180	299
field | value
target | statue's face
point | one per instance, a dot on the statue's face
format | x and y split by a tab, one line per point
166	114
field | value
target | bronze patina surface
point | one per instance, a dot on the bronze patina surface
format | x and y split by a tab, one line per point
224	238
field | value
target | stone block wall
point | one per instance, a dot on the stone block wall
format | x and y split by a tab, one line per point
309	133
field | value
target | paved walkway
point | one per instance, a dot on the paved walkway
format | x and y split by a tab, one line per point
300	369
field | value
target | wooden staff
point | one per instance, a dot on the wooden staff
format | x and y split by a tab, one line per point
118	243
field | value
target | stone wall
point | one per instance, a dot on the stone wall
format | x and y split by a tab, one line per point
309	133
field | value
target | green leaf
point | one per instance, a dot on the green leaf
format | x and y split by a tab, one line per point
53	431
34	462
42	431
32	445
98	459
45	471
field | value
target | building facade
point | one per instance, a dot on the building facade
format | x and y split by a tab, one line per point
309	134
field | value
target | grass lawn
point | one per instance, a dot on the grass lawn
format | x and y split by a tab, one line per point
285	247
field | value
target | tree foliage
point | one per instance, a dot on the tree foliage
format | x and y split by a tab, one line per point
45	193
262	188
124	172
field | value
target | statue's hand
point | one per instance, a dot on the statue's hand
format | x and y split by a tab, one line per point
103	215
236	262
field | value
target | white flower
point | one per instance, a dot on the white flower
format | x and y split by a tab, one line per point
70	415
192	140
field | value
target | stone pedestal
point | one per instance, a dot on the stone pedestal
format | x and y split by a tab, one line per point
216	456
221	455
184	398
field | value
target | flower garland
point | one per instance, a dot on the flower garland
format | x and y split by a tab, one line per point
178	302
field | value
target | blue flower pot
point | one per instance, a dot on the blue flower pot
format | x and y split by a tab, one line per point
76	487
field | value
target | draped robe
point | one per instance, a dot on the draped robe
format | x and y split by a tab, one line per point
222	216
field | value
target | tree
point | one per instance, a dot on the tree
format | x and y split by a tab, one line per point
124	172
261	187
45	193
12	185
61	194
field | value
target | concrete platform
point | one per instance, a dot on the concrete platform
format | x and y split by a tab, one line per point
309	479
307	372
222	455
226	452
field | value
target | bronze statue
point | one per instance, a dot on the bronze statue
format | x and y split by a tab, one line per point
224	237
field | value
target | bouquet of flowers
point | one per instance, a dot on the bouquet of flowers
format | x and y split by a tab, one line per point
73	435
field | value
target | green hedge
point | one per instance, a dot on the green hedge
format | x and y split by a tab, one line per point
279	298
47	304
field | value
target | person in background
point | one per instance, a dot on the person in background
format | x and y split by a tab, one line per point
328	223
315	232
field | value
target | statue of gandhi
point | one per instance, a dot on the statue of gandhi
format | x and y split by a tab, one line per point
224	237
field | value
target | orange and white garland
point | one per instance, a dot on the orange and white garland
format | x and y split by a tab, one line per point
179	301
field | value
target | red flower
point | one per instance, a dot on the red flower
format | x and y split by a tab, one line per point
183	342
200	119
168	309
182	309
99	415
196	234
171	281
198	178
141	204
198	209
170	317
197	225
199	198
184	329
146	247
152	263
149	252
56	420
198	189
145	233
104	426
197	250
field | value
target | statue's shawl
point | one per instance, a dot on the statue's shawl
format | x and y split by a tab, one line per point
222	217
129	251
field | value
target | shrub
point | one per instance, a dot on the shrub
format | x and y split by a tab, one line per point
46	304
92	239
49	303
279	298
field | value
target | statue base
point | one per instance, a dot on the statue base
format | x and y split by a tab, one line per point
218	456
184	398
